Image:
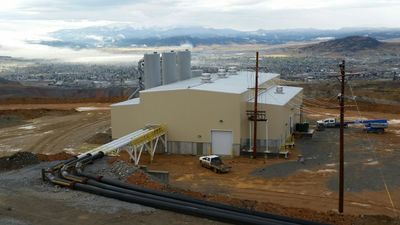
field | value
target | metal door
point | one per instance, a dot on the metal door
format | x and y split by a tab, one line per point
221	142
199	148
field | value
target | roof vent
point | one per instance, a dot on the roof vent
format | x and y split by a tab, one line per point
279	90
221	73
232	70
205	78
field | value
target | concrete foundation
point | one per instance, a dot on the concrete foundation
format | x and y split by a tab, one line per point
196	148
273	144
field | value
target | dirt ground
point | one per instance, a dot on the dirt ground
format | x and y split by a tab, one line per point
52	106
313	186
26	200
52	128
262	182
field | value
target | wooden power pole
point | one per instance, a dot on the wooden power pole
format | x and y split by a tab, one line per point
255	110
341	157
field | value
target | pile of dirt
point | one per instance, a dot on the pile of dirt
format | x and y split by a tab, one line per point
123	156
18	160
122	170
54	157
141	178
10	120
100	138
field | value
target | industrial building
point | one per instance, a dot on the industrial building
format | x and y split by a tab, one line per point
209	113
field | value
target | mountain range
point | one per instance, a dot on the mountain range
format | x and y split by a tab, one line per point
129	36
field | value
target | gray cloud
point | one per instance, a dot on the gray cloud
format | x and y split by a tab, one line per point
239	14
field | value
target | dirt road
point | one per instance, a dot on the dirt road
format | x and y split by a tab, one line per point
55	133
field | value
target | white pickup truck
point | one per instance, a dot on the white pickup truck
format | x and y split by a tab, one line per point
214	163
330	122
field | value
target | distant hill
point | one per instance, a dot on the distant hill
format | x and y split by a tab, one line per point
8	82
347	44
130	36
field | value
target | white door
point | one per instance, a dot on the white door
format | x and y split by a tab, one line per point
221	142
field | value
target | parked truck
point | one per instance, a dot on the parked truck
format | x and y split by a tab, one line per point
374	126
214	163
330	122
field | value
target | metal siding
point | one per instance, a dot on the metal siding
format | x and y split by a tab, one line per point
222	142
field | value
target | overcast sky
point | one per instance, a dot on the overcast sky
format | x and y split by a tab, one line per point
238	14
33	19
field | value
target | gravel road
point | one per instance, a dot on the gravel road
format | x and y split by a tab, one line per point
363	168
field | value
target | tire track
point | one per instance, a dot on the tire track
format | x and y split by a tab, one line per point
71	133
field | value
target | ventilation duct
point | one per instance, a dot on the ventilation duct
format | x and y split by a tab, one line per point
205	78
232	70
221	73
279	90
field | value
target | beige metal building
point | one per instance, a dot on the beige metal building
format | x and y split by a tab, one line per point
210	117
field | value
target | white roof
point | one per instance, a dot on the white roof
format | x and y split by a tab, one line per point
271	97
133	101
235	84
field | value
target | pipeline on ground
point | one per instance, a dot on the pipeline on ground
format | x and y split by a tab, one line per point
70	174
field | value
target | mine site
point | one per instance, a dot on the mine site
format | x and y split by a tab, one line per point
106	121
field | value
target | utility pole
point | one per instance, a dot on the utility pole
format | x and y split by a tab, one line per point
255	111
341	157
301	113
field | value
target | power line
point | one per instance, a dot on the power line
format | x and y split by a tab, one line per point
375	154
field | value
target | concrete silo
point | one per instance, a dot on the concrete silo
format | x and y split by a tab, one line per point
169	68
184	64
152	70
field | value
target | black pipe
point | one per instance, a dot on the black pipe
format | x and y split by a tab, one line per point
171	200
79	165
85	159
135	194
61	164
76	160
93	157
197	201
224	217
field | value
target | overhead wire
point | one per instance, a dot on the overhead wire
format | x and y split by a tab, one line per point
375	154
318	103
